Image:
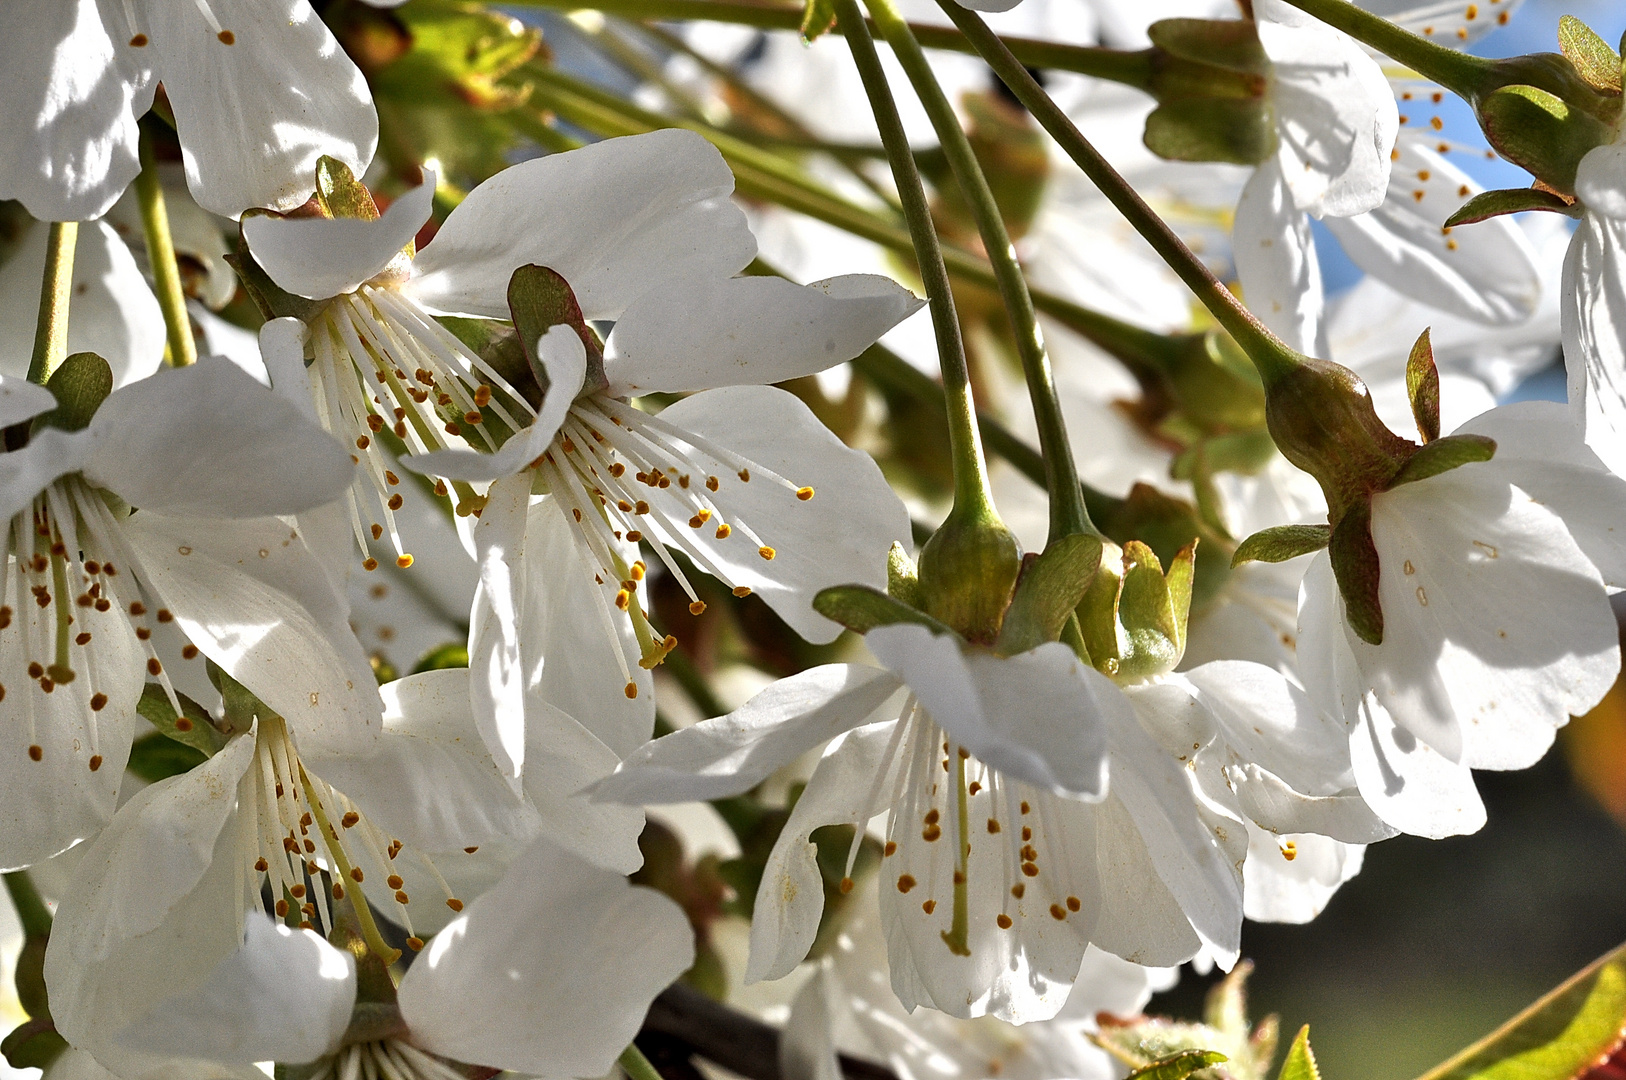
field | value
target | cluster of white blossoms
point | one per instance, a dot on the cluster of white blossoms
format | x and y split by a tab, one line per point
549	421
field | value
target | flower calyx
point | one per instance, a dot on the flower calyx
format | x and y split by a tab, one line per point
1545	111
1322	419
968	570
1132	619
1212	81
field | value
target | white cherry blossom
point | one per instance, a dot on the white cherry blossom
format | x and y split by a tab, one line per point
206	454
1494	580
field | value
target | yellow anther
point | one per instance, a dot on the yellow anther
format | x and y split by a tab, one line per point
403	561
804	494
697	608
766	552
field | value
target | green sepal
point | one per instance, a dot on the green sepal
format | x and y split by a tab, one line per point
453	654
1423	387
818	17
80	384
1355	565
902	577
1300	1061
1489	204
1443	455
1211	129
33	1044
861	609
1049	587
1594	60
1566	1033
1211	79
1282	542
190	727
1152	609
1541	132
340	194
155	757
1179	1066
540	299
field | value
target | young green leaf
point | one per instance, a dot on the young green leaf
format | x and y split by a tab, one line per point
1281	543
1561	1037
540	299
1300	1063
818	16
1423	387
340	194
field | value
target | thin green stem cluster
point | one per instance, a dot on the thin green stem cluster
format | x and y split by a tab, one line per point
56	290
166	272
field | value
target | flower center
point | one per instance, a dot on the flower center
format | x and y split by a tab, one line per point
388	380
943	796
625	477
395	1059
289	805
61	596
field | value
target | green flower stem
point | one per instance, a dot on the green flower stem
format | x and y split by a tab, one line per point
887	369
1269	354
1132	68
56	288
771	178
636	1066
1067	513
166	272
971	494
32	913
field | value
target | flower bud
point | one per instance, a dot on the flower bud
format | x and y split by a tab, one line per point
967	571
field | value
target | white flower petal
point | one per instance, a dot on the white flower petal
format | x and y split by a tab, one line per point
1497	628
68	135
750	330
550	973
1276	261
22	400
209	440
1272	805
790	898
807	1046
25	473
1282	890
51	804
285	996
1269	721
318	258
1409	784
431	782
251	596
839	536
282	350
1486	271
1600	180
1540	449
1594	320
149	903
1040	717
1184	839
734	753
112	312
1335	114
616	219
256	114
